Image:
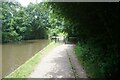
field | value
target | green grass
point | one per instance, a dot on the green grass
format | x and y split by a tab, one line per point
25	70
85	59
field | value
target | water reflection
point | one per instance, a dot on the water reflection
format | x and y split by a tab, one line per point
15	54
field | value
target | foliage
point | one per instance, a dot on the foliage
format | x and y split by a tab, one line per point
56	20
96	26
20	23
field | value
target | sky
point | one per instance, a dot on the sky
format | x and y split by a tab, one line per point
26	2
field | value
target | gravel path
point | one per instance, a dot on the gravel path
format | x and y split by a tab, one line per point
61	62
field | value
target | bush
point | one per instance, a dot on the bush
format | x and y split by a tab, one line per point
96	62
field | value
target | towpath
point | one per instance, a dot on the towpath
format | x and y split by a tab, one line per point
61	62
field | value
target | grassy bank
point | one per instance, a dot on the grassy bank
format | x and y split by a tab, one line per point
24	70
90	60
98	63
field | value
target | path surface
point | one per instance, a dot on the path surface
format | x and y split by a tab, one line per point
61	62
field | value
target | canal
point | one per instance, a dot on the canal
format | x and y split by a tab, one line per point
15	54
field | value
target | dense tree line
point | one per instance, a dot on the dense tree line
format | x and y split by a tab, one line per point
97	27
24	23
36	21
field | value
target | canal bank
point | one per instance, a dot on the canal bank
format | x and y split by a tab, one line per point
17	53
24	70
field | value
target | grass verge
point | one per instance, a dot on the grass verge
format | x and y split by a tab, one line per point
24	70
86	58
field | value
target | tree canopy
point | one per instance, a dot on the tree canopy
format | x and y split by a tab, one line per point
96	25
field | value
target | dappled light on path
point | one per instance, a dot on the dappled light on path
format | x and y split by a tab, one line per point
55	65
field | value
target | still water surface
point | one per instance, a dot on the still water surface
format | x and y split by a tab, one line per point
15	54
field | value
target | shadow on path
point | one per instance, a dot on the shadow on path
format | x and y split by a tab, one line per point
61	62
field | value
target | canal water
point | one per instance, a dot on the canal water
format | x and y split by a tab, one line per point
15	54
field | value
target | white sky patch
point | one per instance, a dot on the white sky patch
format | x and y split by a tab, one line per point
25	3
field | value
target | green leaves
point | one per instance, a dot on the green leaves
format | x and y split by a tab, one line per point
24	23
